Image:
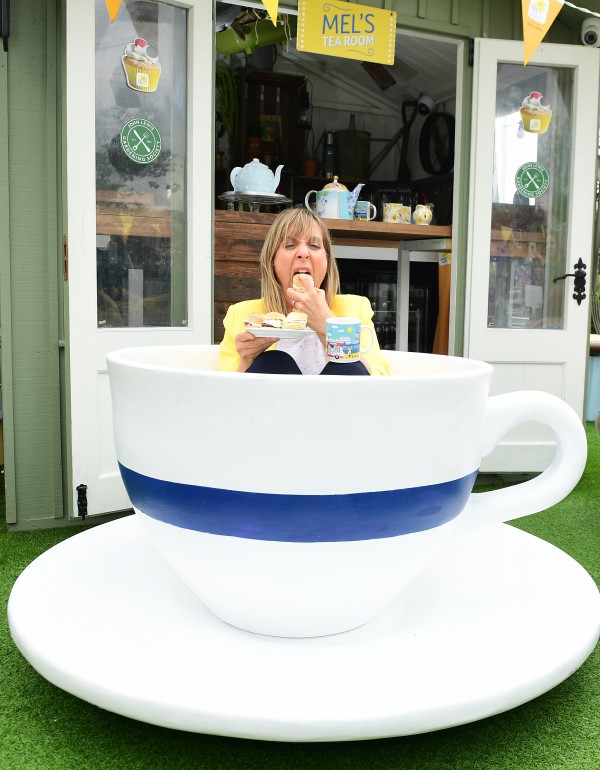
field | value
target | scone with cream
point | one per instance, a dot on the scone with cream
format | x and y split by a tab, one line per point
273	320
297	284
295	320
254	321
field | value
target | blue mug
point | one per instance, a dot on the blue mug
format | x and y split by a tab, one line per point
343	338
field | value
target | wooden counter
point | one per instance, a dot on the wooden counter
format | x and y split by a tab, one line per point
349	231
239	237
518	244
125	213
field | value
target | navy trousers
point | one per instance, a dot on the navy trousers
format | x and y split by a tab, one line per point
280	362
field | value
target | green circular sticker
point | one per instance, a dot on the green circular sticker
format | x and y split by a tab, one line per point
532	180
140	140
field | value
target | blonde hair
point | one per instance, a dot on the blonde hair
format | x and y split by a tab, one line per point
296	223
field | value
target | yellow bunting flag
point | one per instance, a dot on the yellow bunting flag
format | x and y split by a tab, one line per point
113	8
126	225
538	16
271	6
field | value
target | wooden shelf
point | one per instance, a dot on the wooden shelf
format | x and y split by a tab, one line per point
388	231
518	235
270	93
348	228
145	222
516	244
125	213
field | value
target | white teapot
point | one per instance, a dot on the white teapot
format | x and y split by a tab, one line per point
255	177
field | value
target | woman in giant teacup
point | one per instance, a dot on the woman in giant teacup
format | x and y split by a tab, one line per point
285	331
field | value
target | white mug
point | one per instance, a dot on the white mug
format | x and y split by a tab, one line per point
285	542
364	210
343	338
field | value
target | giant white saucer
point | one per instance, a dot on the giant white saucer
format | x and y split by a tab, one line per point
492	624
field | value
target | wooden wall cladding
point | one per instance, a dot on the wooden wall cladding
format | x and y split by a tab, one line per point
239	237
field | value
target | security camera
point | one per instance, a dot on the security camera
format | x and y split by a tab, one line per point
590	32
425	105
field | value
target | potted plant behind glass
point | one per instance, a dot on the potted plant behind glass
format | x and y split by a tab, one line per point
226	108
250	31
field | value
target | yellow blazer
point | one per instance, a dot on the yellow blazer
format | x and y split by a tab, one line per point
343	305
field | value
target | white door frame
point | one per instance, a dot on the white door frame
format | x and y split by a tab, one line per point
89	417
552	360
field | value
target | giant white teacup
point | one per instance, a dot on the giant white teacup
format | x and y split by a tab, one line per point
241	480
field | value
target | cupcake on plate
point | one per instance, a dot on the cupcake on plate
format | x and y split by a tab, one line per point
141	70
536	118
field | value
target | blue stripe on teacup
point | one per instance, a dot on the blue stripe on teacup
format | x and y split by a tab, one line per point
298	518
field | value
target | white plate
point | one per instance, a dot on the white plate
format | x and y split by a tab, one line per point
264	194
281	334
498	619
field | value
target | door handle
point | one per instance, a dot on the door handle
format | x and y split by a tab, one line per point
579	283
5	23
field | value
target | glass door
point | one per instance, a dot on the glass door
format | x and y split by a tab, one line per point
531	220
140	128
139	205
530	215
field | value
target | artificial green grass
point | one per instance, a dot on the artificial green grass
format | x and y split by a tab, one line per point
44	728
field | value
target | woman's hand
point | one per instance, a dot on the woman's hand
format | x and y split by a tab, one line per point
249	347
312	302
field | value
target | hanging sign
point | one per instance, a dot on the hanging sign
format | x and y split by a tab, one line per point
532	180
538	16
140	140
346	30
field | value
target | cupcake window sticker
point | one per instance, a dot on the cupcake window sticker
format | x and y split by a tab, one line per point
534	115
142	70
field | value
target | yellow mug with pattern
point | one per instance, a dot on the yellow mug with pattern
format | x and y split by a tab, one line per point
396	212
391	212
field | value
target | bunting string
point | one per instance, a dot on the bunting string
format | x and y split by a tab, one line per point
583	10
271	6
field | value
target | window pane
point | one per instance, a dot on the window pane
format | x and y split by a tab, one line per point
141	87
530	197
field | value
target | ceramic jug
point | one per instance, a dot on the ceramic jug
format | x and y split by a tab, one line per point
422	215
